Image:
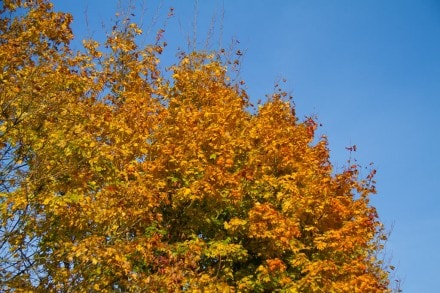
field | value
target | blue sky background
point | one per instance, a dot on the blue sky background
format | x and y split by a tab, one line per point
369	69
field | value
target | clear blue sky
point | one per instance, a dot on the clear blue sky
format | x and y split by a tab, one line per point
369	69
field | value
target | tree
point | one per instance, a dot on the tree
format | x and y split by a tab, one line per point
115	177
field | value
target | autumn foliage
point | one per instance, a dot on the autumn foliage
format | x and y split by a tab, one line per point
117	177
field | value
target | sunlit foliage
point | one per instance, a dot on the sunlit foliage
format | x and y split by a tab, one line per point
117	177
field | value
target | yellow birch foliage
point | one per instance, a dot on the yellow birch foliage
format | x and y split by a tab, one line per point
115	178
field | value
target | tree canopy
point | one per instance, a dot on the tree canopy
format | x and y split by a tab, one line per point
116	176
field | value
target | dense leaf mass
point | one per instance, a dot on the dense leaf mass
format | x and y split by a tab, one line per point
117	177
